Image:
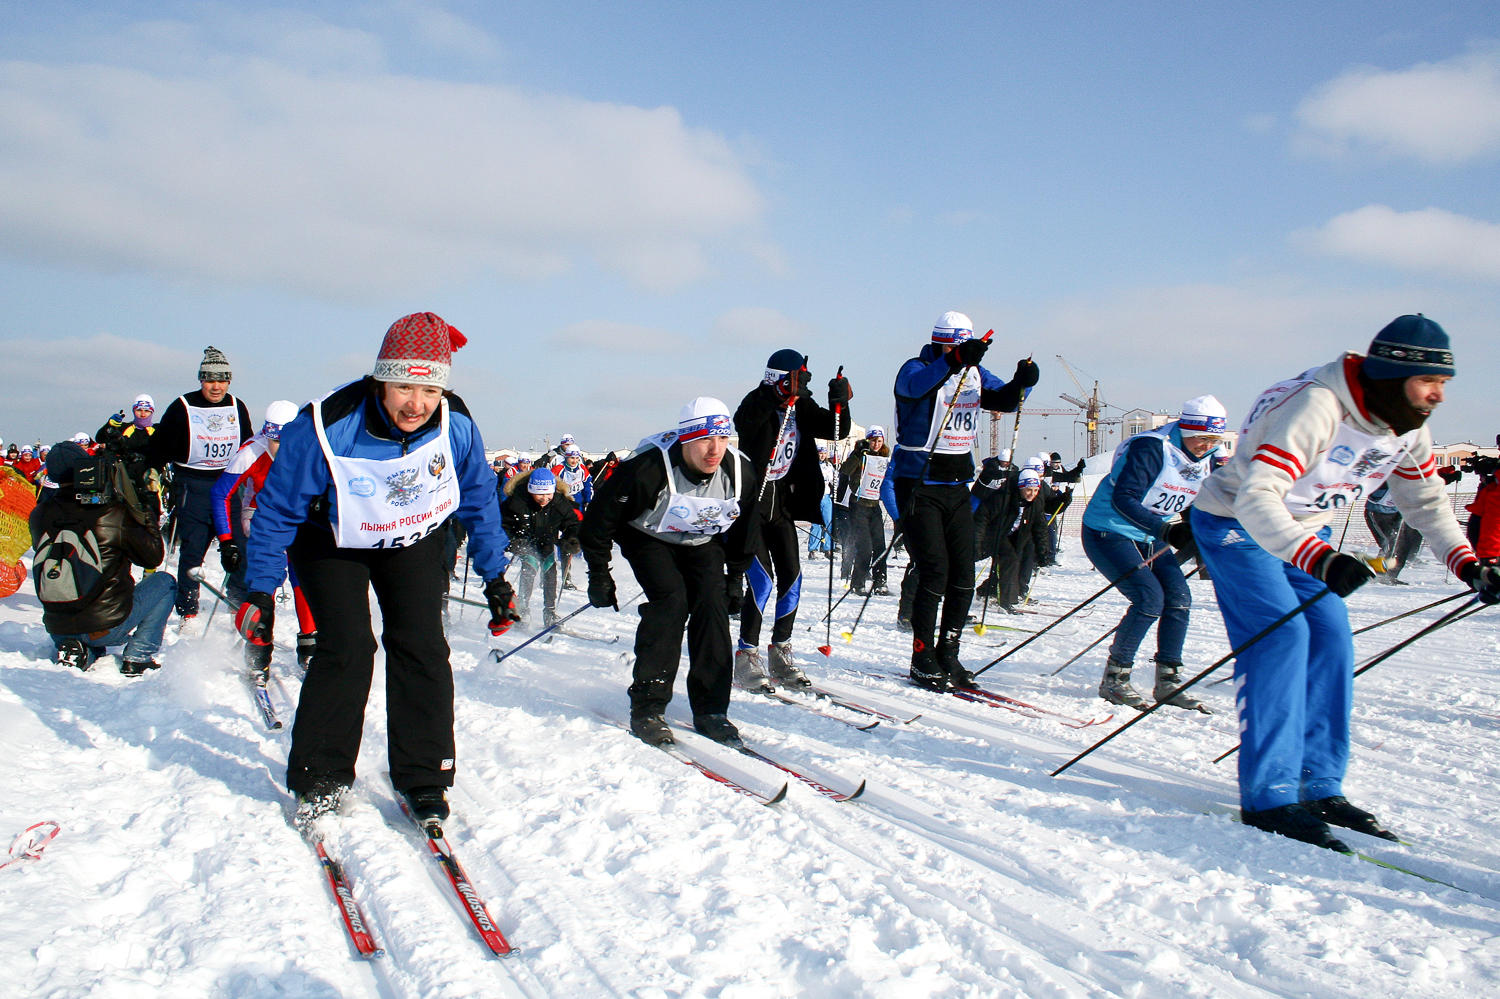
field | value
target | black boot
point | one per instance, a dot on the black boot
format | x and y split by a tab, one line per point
947	658
651	728
718	728
258	661
926	671
1338	812
428	804
1295	822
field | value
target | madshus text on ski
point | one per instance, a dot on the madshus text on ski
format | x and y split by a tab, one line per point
382	481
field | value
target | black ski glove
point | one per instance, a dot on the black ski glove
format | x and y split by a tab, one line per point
230	556
502	600
967	353
1180	537
256	617
1483	580
570	546
1343	573
839	392
602	590
1027	373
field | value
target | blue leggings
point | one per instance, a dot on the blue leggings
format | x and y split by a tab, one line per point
1295	687
1158	591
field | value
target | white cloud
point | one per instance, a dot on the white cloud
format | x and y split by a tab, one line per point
1431	240
1440	112
76	383
749	326
606	335
338	178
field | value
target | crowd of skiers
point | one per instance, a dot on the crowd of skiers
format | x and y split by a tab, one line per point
373	485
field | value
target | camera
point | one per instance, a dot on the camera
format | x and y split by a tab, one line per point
1482	465
93	483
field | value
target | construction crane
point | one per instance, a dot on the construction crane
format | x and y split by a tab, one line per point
1093	409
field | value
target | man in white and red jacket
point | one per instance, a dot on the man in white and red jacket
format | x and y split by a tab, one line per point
1310	446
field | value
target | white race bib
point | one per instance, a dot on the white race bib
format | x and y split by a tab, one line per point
392	502
213	434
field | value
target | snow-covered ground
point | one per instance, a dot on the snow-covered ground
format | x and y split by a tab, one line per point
963	870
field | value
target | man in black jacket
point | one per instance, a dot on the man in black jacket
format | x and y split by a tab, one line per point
198	434
88	532
779	424
680	509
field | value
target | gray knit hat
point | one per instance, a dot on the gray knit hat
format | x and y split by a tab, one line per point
214	367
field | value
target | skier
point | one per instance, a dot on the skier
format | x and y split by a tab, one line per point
680	508
1017	540
939	394
198	433
1311	445
28	464
242	480
573	473
1058	495
778	423
540	518
362	485
1397	542
865	470
1134	515
820	536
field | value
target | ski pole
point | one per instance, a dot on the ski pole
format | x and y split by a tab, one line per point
1416	610
791	407
1111	631
500	657
827	647
848	636
1075	610
1446	619
1347	517
1283	619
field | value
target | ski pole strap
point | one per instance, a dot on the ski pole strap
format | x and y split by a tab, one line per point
1075	610
1283	619
31	841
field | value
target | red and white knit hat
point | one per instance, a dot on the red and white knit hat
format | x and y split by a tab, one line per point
418	350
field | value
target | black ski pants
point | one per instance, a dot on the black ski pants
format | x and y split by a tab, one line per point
868	525
684	587
938	523
410	583
778	560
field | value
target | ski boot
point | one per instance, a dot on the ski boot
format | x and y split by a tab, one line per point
135	667
429	805
783	670
649	726
1167	681
549	618
1115	687
925	669
947	658
719	729
72	652
1337	811
1295	822
258	662
749	674
307	644
322	796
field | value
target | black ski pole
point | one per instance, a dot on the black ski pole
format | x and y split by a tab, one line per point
1446	619
1106	635
500	657
1283	619
1075	610
1415	610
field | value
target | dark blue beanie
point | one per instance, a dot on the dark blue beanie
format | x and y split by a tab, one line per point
1408	346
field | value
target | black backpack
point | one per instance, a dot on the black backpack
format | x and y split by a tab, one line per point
68	568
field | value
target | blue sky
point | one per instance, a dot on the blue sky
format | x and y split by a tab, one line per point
627	205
